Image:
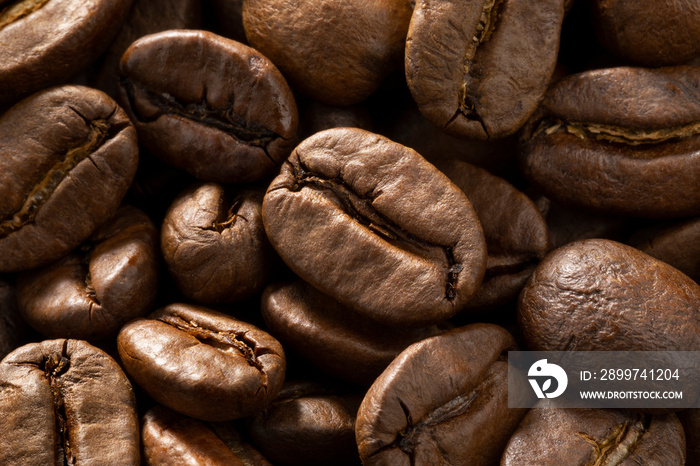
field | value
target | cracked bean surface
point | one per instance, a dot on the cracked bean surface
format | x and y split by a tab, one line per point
551	436
454	413
69	156
54	409
350	203
478	69
619	141
218	368
224	113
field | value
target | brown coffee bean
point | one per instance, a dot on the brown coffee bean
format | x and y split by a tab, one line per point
215	244
218	368
89	294
337	340
653	33
211	106
676	243
46	42
515	231
370	223
441	401
69	155
582	437
145	17
599	295
307	424
66	402
337	52
170	438
478	69
622	141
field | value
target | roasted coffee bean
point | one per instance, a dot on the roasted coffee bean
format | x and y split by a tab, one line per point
441	401
170	438
690	419
600	295
12	327
89	294
478	69
372	224
217	368
66	402
623	141
676	243
307	424
584	437
209	105
515	231
339	341
145	17
337	52
653	33
215	245
68	156
46	42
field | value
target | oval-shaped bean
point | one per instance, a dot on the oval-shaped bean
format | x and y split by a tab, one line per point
372	224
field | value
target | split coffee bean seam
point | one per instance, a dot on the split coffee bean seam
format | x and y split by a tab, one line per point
351	203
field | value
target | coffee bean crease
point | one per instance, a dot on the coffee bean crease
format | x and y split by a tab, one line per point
612	450
360	208
221	118
54	366
223	341
98	131
616	134
490	13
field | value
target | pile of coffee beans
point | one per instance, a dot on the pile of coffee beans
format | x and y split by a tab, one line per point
255	232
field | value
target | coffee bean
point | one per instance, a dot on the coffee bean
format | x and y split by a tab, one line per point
334	51
145	17
215	244
308	424
372	224
89	294
594	143
676	243
218	368
69	155
582	437
441	401
478	69
66	402
170	438
599	295
45	42
339	341
656	33
224	113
